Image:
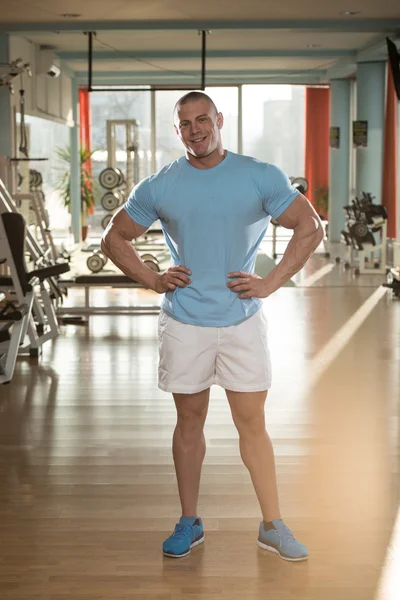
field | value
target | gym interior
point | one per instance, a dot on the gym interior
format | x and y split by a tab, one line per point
88	488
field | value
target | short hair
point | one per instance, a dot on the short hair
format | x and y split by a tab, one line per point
193	97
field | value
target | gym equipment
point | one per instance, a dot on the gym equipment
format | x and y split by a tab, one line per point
393	274
88	282
96	261
365	235
300	183
131	147
13	321
23	283
105	221
111	178
29	202
35	179
393	281
11	70
37	254
111	200
151	262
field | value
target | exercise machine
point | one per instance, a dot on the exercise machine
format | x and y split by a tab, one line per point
365	236
393	273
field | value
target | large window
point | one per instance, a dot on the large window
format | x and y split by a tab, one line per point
273	128
169	146
274	125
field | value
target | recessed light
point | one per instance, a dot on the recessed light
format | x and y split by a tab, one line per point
70	15
350	13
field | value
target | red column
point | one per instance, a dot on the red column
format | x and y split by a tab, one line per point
84	119
389	156
85	132
317	141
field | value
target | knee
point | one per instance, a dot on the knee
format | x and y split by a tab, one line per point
191	424
251	427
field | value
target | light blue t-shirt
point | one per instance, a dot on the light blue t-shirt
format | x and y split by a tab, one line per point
213	221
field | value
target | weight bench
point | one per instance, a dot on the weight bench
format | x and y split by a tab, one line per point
22	283
88	282
12	324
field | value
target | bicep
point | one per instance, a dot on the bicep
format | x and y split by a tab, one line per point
124	225
299	213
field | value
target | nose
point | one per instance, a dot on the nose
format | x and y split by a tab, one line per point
194	128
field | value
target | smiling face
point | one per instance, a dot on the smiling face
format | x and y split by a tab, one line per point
198	125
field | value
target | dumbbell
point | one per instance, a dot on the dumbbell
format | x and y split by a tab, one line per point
111	178
300	183
151	262
96	261
105	221
111	200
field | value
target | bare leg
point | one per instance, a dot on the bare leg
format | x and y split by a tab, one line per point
189	447
256	448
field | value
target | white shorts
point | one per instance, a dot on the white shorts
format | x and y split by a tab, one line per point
192	358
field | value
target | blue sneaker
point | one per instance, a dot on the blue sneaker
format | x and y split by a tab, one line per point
277	537
188	534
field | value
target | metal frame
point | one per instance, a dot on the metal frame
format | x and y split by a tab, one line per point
132	138
91	89
87	309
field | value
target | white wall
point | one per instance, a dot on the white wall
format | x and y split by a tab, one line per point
45	97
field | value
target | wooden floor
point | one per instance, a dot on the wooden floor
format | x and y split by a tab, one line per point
87	483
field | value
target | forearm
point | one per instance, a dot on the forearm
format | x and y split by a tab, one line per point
124	256
304	242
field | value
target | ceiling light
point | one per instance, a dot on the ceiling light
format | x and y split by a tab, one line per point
70	15
350	13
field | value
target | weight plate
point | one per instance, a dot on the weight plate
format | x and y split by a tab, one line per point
148	257
121	177
103	257
109	178
152	265
301	184
94	263
359	230
105	221
110	201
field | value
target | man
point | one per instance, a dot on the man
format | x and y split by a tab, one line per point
214	207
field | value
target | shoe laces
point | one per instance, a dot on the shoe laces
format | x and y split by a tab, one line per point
182	530
286	534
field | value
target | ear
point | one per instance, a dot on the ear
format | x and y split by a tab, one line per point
176	130
220	120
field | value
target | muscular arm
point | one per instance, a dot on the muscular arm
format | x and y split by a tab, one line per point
308	234
116	244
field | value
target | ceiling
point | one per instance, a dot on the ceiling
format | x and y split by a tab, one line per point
157	42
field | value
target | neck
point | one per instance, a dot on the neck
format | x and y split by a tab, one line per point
207	162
